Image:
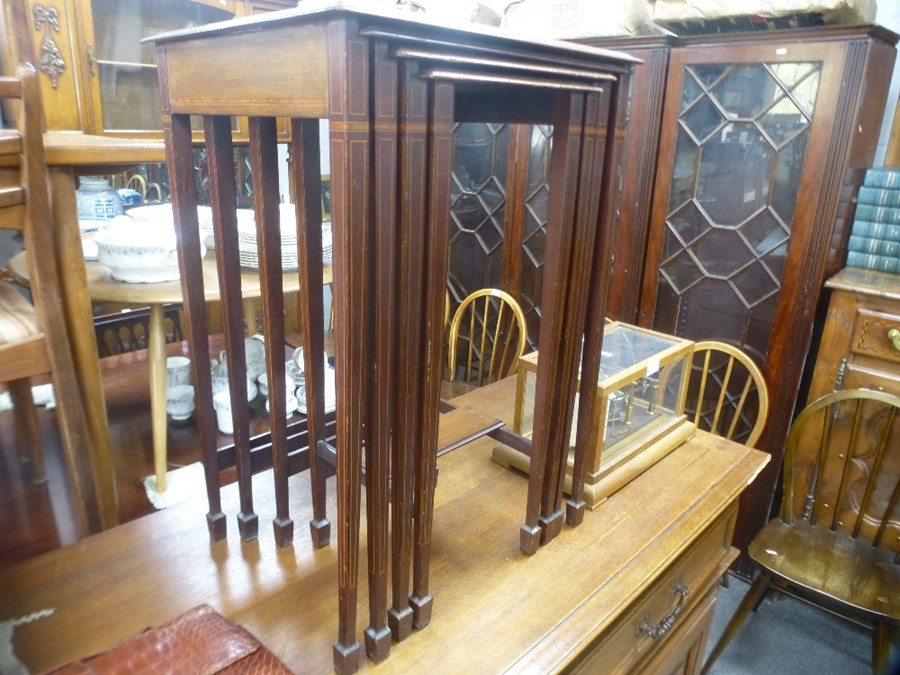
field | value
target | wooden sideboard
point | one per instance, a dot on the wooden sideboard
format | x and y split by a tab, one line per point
857	349
575	606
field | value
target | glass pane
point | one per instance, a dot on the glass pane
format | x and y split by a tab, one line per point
764	232
785	178
692	91
707	74
689	224
805	92
681	271
745	91
791	73
685	171
733	180
721	253
129	87
703	119
783	122
133	96
753	285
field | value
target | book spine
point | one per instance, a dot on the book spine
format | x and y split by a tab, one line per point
879	196
872	245
877	214
880	263
882	178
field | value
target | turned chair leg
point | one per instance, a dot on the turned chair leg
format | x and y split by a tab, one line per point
28	436
749	603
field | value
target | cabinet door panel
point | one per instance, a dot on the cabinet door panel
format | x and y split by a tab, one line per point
738	130
124	79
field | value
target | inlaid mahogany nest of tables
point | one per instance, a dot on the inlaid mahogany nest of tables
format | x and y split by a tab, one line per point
498	610
391	86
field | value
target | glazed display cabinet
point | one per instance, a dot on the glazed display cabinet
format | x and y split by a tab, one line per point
763	140
96	75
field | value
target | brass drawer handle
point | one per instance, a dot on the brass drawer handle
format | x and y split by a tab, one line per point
894	337
658	631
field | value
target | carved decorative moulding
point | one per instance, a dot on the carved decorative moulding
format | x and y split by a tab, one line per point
51	62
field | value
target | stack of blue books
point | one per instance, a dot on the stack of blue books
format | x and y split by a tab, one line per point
875	235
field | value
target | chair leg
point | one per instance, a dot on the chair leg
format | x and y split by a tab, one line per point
750	602
28	436
881	642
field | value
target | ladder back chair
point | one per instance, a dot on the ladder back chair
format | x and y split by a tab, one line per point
33	336
836	542
727	393
487	337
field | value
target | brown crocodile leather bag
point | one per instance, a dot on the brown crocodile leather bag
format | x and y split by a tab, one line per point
200	642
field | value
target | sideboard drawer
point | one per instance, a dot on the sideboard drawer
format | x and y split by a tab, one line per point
670	599
870	335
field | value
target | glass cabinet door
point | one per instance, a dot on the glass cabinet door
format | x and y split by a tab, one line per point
123	70
739	143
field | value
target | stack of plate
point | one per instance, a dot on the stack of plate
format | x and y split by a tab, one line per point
247	241
248	245
330	392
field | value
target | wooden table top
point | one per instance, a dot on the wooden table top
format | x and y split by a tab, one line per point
103	288
107	588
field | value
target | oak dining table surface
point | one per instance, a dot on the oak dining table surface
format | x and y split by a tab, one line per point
103	287
496	609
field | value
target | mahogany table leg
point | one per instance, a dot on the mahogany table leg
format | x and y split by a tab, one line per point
581	261
604	163
304	152
440	157
542	522
350	129
180	160
384	407
223	197
413	138
264	163
156	348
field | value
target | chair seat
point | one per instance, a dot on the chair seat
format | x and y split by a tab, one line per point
18	320
832	564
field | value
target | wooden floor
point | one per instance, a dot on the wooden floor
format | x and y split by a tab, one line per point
37	518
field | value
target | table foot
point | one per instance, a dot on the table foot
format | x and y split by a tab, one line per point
284	531
551	526
575	512
400	622
320	532
248	526
346	658
421	607
217	524
529	539
378	643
